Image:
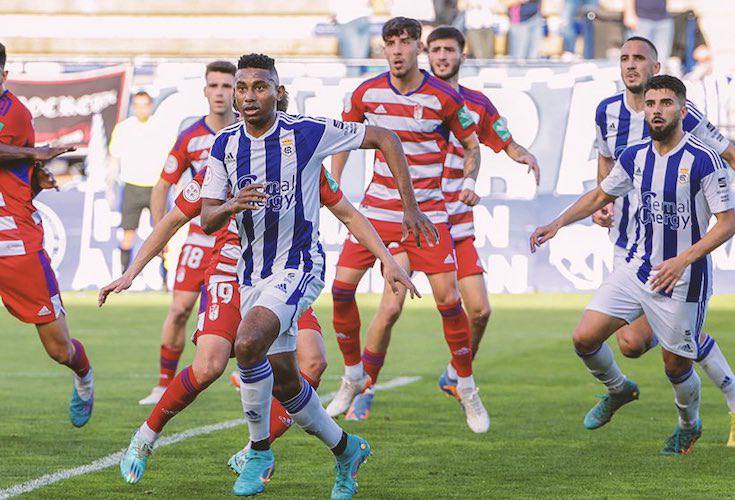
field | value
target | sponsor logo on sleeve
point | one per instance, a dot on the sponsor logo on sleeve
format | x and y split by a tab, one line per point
330	180
465	117
171	164
500	126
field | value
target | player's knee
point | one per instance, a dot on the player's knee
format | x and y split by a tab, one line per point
314	367
480	316
583	341
60	352
179	314
631	349
447	298
390	313
247	351
208	371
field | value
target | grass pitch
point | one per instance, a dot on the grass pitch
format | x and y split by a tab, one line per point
535	388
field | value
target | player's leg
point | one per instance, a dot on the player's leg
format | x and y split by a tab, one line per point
302	403
173	338
376	345
473	291
636	338
210	361
715	365
687	394
70	352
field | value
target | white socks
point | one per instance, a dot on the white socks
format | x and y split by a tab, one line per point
451	372
719	372
255	393
354	372
147	433
307	411
603	367
687	388
84	385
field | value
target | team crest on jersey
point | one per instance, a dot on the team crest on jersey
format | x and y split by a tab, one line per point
207	177
418	111
171	164
683	175
181	274
288	148
192	192
213	312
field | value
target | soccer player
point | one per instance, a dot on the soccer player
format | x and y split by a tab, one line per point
619	124
667	272
446	46
187	157
281	265
28	285
422	110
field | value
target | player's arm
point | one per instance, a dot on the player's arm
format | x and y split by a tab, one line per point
158	199
604	216
729	156
388	143
216	213
338	164
10	152
152	246
361	228
471	167
42	178
519	154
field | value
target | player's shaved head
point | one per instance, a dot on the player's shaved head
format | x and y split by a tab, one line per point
259	61
648	43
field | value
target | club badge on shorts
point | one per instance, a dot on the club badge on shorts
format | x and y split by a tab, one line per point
213	312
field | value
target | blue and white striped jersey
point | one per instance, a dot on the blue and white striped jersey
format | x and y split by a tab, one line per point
618	127
287	159
678	194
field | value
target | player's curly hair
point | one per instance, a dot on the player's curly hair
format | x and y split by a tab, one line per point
667	82
260	61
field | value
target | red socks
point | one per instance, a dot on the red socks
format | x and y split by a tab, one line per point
372	362
169	361
346	321
79	363
457	334
179	394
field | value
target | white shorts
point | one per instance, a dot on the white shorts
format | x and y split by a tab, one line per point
286	293
678	325
619	255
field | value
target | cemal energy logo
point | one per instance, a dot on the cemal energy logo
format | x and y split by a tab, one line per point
281	193
670	214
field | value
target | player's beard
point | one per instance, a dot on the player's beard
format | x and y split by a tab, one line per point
665	132
452	73
636	89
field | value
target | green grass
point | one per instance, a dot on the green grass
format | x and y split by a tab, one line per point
534	386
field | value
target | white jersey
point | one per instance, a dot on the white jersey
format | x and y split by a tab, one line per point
287	159
618	126
678	194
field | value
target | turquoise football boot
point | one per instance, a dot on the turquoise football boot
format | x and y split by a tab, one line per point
255	474
135	459
681	442
348	464
602	412
80	410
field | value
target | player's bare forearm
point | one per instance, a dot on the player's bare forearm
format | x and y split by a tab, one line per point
158	200
358	225
521	155
729	156
723	230
584	207
215	214
157	240
10	152
604	166
388	143
338	165
471	165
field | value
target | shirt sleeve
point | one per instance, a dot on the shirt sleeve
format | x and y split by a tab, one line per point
176	163
215	184
493	131
709	135
340	136
329	192
189	199
459	120
618	182
715	185
600	142
353	110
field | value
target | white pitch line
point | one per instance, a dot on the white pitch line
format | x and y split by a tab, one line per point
114	458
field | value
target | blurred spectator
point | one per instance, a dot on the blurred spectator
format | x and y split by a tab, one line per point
526	28
571	15
134	163
690	46
478	21
353	29
650	19
447	13
421	10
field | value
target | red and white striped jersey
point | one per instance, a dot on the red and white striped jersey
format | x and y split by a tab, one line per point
223	263
423	120
492	132
188	156
21	231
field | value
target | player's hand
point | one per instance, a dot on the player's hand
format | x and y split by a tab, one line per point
251	197
604	216
667	274
117	286
416	222
43	178
47	153
530	160
469	197
542	234
395	275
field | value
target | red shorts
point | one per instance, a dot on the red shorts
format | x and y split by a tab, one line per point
29	289
193	261
219	313
426	259
468	261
